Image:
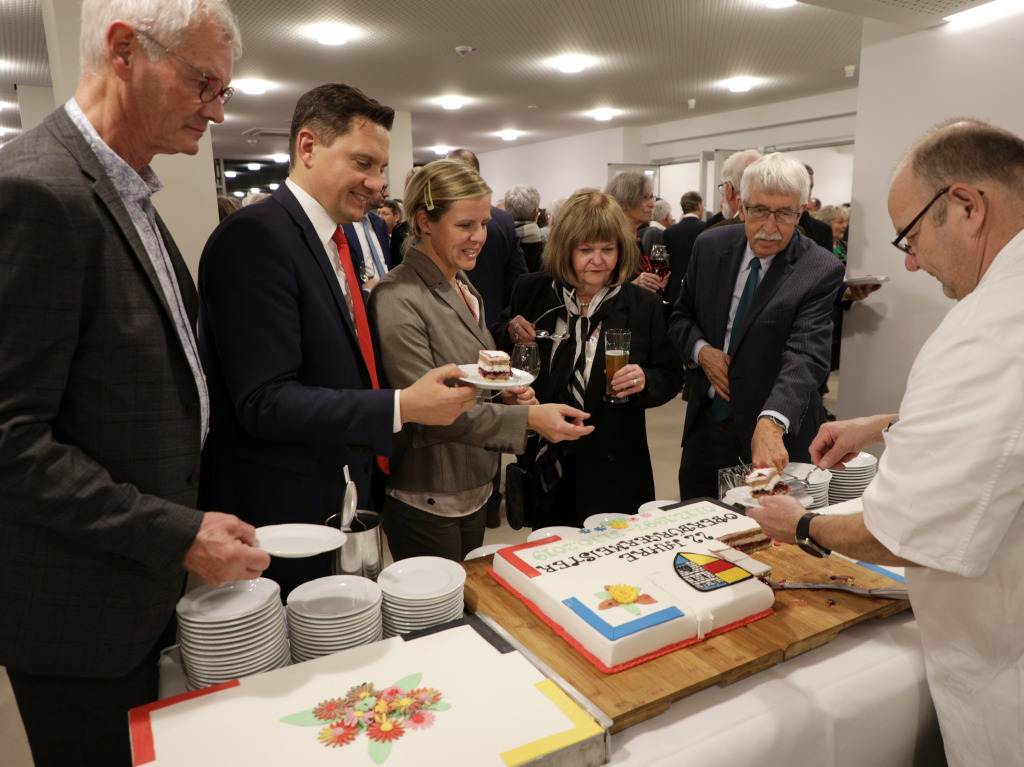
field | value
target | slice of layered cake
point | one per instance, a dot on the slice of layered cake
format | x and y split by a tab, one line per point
494	366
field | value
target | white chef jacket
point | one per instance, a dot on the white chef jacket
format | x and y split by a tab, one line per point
948	495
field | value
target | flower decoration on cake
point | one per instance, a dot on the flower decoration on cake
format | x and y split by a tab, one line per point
622	595
383	715
618	524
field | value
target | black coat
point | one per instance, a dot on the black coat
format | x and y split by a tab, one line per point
613	463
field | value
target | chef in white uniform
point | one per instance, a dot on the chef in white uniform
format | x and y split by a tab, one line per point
948	496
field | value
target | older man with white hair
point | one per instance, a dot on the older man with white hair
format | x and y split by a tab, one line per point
753	318
661	219
103	404
522	202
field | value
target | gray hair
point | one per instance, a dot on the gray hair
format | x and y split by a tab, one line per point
776	174
555	208
629	187
662	208
736	163
521	201
166	20
831	213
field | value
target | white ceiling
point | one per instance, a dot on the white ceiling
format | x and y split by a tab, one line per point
652	57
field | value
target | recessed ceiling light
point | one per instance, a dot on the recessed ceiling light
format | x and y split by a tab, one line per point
510	135
280	158
231	174
253	166
779	3
273	186
331	34
8	105
254	190
740	84
239	194
603	115
251	87
440	149
452	102
572	63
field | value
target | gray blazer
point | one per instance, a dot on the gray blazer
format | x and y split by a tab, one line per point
99	419
423	323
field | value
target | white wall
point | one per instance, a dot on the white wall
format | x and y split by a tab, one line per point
909	81
556	168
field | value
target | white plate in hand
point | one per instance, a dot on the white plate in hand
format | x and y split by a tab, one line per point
294	541
740	496
869	280
472	371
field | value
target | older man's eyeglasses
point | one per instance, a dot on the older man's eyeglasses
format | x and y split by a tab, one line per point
758	213
210	88
899	241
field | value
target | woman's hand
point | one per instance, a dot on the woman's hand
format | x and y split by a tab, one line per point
558	422
629	380
651	281
520	395
520	330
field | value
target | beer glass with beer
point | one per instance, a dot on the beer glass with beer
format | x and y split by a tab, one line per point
616	357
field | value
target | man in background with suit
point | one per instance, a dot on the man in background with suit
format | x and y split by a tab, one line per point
103	407
679	239
295	394
732	172
817	230
753	317
368	243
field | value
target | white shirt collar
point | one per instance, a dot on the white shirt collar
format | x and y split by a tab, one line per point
318	217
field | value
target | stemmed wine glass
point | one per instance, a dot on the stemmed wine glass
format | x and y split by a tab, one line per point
526	357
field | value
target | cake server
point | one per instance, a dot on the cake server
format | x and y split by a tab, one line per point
888	592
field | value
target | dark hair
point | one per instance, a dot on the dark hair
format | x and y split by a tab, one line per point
690	201
329	111
393	206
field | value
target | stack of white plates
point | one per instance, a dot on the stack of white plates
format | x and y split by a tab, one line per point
421	592
232	631
851	483
332	614
817	481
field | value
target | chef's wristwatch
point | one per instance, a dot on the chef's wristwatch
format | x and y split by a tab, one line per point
804	539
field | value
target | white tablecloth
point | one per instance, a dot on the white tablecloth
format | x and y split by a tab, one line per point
860	700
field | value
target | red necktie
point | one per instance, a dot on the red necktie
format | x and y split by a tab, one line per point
359	314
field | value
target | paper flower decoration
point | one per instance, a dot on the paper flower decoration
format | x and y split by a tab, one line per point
384	716
626	597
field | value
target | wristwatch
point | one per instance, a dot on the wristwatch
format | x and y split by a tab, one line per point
777	421
804	539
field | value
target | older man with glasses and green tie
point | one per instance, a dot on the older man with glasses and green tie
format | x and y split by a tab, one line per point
753	318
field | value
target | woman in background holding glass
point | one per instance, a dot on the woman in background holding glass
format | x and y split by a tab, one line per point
425	309
588	258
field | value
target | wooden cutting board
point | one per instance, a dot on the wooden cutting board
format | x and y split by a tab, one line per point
803	620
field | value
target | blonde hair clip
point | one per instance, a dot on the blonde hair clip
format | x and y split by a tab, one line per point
430	197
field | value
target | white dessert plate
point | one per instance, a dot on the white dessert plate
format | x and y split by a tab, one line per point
421	578
334	596
207	604
867	280
472	371
741	497
546	532
603	520
484	551
294	541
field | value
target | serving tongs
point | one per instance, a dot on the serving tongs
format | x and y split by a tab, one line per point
886	592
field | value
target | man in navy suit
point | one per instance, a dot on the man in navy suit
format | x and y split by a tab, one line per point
753	318
679	239
368	243
294	392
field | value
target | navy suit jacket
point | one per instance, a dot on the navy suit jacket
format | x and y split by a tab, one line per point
783	351
291	399
679	239
499	264
380	229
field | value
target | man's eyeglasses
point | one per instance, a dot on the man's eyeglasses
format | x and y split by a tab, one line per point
906	247
210	88
758	213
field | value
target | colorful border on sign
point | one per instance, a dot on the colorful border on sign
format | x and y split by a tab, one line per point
608	631
141	729
511	555
583	727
